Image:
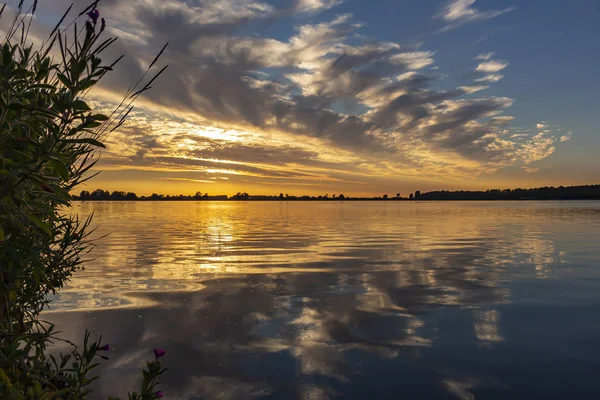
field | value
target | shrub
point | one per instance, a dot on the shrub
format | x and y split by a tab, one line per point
49	137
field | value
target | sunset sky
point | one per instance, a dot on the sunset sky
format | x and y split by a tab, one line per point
356	97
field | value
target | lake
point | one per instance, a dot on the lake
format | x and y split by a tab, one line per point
349	300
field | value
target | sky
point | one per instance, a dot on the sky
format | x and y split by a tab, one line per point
349	96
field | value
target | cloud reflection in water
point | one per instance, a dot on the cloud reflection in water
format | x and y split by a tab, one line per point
319	300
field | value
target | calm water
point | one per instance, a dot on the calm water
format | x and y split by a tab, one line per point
395	300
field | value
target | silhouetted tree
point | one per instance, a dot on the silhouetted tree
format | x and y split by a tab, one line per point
241	196
411	196
417	194
100	194
385	196
341	197
397	194
116	195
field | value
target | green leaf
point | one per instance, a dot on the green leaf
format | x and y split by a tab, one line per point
42	86
6	55
91	141
40	224
99	117
64	80
80	105
89	124
88	83
61	169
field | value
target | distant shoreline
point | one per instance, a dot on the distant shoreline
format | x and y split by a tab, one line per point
333	200
561	193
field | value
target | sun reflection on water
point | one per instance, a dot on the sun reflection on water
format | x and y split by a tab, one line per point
317	282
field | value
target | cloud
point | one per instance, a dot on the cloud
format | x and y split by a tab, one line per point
413	60
566	137
491	66
487	70
491	78
473	89
485	56
313	6
319	102
457	13
541	125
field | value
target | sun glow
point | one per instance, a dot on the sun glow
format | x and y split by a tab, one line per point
230	135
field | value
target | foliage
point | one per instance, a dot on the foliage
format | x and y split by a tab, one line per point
49	137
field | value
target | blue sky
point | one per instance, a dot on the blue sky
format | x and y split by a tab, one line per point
551	45
359	97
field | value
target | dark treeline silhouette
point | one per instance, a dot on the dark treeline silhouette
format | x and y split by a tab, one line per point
100	194
589	192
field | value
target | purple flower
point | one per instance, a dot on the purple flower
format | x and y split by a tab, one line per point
106	347
94	14
158	353
159	394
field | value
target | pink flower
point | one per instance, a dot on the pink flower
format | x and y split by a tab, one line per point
94	14
159	394
158	353
106	347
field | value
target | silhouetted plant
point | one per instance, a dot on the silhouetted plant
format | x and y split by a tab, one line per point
49	138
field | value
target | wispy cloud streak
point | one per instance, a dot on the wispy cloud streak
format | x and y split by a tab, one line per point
457	13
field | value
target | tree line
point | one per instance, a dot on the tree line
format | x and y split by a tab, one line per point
586	192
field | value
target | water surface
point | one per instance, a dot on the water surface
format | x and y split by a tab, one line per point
317	300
